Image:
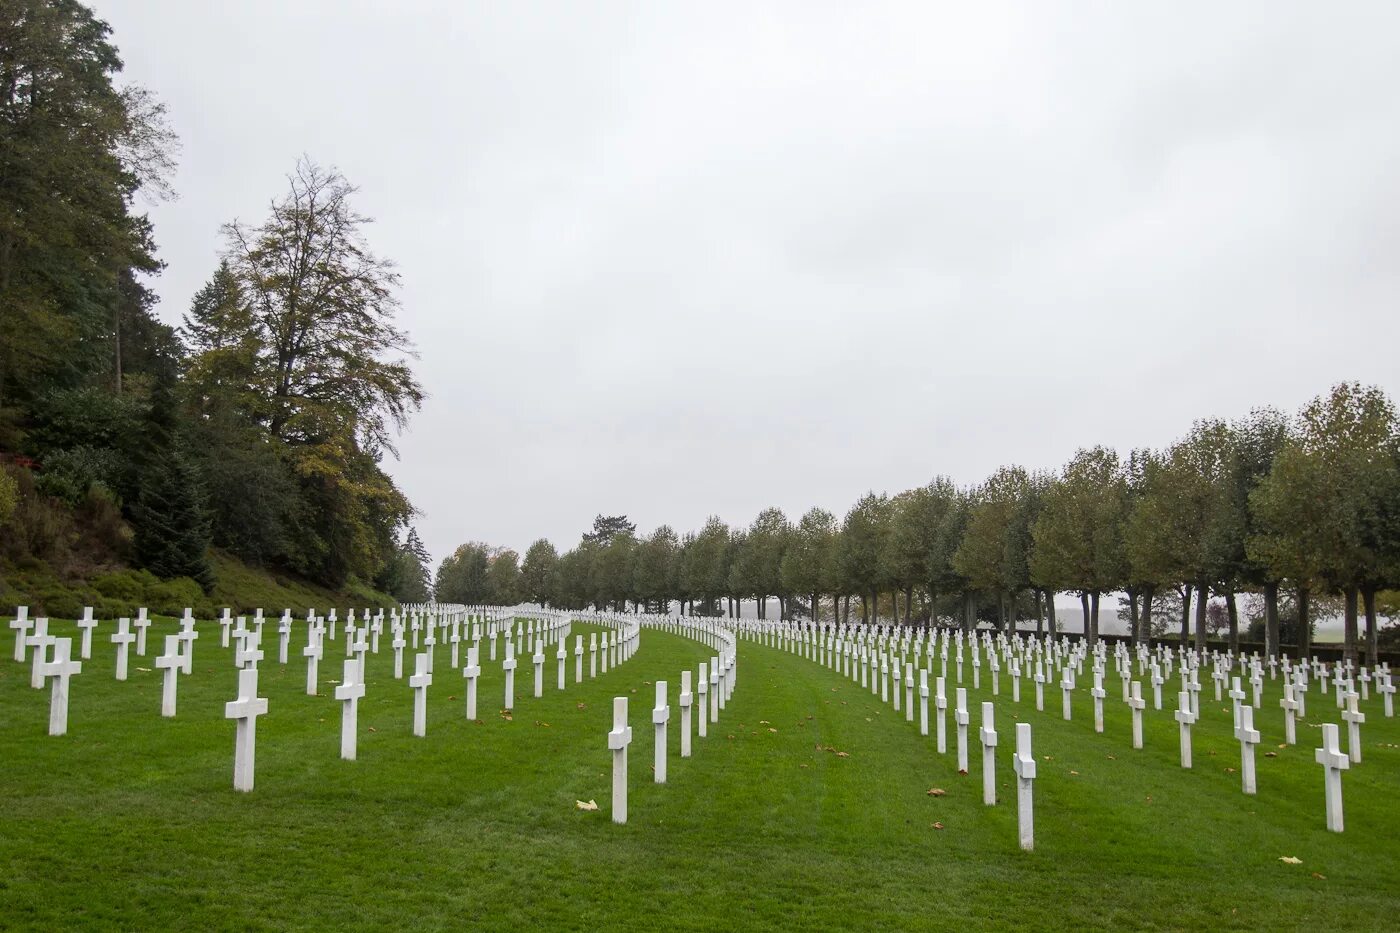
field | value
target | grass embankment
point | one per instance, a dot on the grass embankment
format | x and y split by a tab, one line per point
115	593
131	821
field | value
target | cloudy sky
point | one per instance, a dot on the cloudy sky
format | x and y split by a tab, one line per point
671	259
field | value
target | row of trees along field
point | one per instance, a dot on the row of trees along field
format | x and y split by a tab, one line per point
1286	516
259	426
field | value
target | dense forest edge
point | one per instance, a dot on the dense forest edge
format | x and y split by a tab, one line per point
234	460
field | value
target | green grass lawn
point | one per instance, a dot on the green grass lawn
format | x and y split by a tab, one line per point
130	821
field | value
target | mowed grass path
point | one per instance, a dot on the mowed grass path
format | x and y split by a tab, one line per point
130	821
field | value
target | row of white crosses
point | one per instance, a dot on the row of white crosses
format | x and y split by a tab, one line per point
871	654
839	655
715	681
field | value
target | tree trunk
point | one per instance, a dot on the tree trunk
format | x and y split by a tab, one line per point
865	609
1001	611
1084	605
1133	617
1052	619
1185	614
908	604
1368	597
1271	645
1093	618
1304	623
816	607
1202	603
969	620
1039	618
1148	592
1233	610
1349	624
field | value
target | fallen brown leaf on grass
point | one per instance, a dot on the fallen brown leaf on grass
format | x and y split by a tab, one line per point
582	706
1319	877
586	804
538	723
372	729
452	698
1075	773
843	754
731	736
937	825
1290	860
1112	757
936	792
771	729
1271	754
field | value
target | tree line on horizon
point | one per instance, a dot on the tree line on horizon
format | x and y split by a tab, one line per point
259	426
1289	515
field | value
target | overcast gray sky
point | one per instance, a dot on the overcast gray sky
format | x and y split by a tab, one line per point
671	260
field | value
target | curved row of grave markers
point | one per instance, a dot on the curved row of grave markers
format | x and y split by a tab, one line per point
715	683
417	624
869	654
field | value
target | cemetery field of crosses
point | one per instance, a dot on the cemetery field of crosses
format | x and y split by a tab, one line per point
450	766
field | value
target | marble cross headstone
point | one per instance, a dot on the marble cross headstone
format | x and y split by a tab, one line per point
1186	717
39	640
923	702
538	658
988	735
660	715
420	682
87	623
246	710
60	670
122	638
142	623
1024	764
940	707
702	687
21	624
508	665
1248	737
312	653
685	700
1333	764
1289	705
618	739
471	672
960	718
169	664
1354	719
349	693
1136	703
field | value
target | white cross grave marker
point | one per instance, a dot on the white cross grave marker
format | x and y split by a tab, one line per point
471	672
349	693
660	716
1248	737
420	682
618	740
989	754
123	639
1354	718
246	709
60	669
1186	717
686	699
169	663
1024	763
961	719
1136	703
1333	763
